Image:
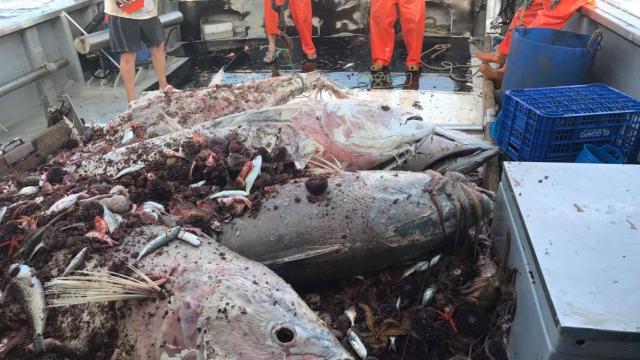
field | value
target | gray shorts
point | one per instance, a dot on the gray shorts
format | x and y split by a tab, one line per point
125	34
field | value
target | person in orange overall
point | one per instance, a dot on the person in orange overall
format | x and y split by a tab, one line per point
302	17
548	14
382	19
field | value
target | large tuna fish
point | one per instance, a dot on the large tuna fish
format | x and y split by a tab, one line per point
364	221
446	150
358	134
218	305
158	114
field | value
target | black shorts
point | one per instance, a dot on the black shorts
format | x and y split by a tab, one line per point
125	34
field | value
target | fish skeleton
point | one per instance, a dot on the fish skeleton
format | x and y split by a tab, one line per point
220	305
365	221
359	134
25	285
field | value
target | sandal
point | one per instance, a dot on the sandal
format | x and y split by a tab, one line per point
270	56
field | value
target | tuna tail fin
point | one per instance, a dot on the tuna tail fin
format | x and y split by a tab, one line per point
38	344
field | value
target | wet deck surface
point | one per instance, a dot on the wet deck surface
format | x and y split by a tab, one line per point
345	60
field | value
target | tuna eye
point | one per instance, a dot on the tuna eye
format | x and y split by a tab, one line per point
284	335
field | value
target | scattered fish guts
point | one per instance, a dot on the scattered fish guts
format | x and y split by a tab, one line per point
365	221
221	306
26	287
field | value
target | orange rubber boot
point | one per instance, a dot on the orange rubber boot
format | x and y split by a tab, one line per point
302	17
412	16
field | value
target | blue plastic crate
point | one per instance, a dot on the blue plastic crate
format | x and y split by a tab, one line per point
553	124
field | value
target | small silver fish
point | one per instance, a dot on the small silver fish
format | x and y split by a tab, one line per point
351	314
228	193
421	266
29	190
189	238
3	210
356	344
153	207
76	261
28	289
198	184
159	241
129	170
253	174
65	203
113	220
348	65
428	295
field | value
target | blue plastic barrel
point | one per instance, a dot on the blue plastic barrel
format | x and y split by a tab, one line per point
547	57
606	154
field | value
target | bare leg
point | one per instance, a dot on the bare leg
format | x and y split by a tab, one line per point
271	52
159	63
128	73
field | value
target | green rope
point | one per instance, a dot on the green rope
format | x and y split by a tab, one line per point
280	52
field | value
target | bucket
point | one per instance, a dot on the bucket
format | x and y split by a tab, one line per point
547	57
605	154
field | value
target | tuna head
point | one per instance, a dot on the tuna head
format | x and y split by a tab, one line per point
224	306
363	134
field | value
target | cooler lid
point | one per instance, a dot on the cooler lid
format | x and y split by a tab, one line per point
583	226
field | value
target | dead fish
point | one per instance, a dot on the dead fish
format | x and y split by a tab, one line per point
119	190
447	150
113	220
33	253
228	193
189	238
428	295
253	174
65	203
262	316
205	104
383	217
356	344
76	262
421	266
198	184
358	135
151	206
29	190
25	285
129	170
3	210
159	241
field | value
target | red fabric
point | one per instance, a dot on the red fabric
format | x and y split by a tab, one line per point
524	16
382	19
302	16
541	15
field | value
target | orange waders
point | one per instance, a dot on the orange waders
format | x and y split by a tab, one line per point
302	17
382	19
524	16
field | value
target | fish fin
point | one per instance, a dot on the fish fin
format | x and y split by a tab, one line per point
309	252
38	344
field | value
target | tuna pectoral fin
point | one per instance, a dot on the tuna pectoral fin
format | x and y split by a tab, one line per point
306	253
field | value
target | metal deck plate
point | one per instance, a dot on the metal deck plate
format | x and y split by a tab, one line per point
583	225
